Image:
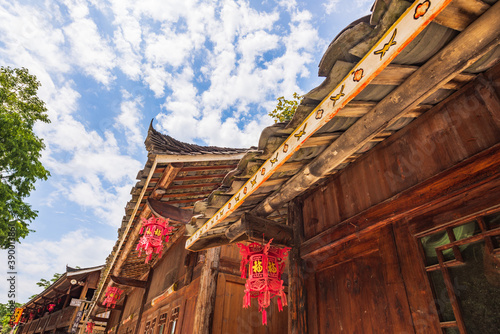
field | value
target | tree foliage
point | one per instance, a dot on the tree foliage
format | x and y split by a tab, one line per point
44	283
285	109
5	316
20	150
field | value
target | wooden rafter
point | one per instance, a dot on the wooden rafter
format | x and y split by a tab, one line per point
400	34
479	38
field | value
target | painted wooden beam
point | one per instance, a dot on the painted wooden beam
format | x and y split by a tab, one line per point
165	210
128	281
471	44
400	34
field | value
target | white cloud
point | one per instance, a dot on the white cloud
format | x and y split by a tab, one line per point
130	119
90	51
44	258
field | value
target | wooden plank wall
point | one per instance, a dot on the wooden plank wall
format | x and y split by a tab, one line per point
465	124
169	269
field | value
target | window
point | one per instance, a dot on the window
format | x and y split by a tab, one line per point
463	266
173	321
162	323
146	330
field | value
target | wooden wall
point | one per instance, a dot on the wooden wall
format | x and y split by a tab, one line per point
465	124
169	269
363	270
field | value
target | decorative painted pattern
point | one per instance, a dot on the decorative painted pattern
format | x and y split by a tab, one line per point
402	32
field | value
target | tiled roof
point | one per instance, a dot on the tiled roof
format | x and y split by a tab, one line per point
159	143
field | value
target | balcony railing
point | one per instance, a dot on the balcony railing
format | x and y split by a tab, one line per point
49	322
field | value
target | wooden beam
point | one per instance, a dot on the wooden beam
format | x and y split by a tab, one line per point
166	179
170	158
144	300
470	45
201	177
259	229
128	281
134	235
459	180
121	314
202	168
208	287
460	13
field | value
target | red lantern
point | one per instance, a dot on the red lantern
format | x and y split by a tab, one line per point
90	327
154	230
112	296
32	316
50	307
264	277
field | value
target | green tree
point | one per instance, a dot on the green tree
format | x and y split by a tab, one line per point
5	315
20	151
285	108
45	283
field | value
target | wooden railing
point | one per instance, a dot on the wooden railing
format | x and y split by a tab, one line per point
54	320
58	319
67	316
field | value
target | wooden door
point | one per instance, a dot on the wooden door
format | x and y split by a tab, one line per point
359	288
230	317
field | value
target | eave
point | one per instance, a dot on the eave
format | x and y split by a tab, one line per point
386	102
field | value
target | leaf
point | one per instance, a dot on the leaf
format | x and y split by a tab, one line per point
285	109
20	151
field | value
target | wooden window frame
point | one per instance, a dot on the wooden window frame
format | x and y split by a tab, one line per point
443	265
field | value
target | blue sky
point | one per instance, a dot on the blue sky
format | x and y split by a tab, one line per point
207	72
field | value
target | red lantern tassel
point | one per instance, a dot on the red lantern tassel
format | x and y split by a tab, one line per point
280	304
246	299
264	317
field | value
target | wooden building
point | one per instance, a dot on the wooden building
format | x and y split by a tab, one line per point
60	307
178	291
385	184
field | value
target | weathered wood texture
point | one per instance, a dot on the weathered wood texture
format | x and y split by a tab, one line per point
128	281
231	317
464	125
423	310
208	288
258	229
131	310
165	210
144	299
169	269
480	37
297	308
359	288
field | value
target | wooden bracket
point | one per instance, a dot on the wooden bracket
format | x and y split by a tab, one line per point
128	281
254	228
166	179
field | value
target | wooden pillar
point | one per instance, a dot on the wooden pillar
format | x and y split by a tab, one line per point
208	288
121	315
144	300
68	298
297	308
